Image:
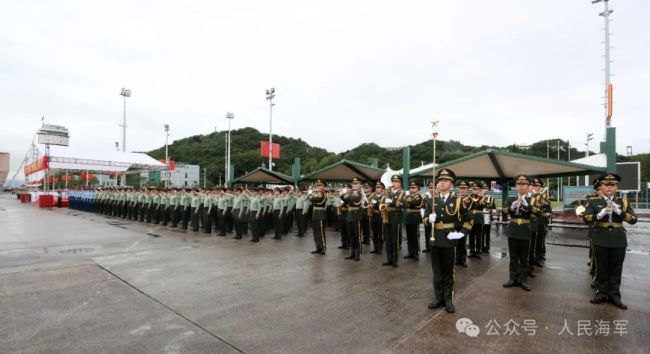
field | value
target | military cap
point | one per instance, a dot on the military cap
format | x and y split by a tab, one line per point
394	178
485	185
463	184
446	173
356	180
522	179
367	184
538	182
380	184
414	184
431	185
475	184
348	185
320	183
607	178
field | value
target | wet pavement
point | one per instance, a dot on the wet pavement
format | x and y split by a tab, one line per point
76	282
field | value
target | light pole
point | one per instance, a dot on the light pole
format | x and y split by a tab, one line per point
605	14
124	93
230	116
167	155
270	95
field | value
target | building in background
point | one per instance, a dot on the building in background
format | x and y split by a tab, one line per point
183	175
4	167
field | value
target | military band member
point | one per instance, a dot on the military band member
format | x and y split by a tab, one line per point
597	194
353	200
520	210
318	199
376	219
465	223
609	239
537	249
394	202
488	205
444	213
477	220
414	203
342	215
365	217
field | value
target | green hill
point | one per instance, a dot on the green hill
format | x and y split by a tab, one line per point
208	152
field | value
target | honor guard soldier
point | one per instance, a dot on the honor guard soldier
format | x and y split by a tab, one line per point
300	217
195	200
444	212
186	201
174	202
520	210
376	199
488	205
277	214
353	200
427	226
318	199
254	212
609	238
164	204
394	202
414	205
208	211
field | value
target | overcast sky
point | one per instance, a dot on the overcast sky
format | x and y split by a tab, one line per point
346	72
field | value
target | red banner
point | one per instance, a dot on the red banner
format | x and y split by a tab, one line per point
115	173
52	180
66	178
87	176
264	150
172	164
38	165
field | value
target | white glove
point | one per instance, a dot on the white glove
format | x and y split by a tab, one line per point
432	218
309	191
345	190
524	202
514	205
422	213
617	209
388	200
374	201
408	192
603	213
428	194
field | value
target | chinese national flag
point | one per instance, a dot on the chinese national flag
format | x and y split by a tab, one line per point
264	150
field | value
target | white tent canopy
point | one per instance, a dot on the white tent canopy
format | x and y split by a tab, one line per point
66	158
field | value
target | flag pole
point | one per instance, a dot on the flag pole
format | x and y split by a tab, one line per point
434	134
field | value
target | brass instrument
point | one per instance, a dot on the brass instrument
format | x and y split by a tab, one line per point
519	201
580	210
610	202
383	208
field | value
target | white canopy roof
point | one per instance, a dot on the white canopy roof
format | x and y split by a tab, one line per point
66	158
599	160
